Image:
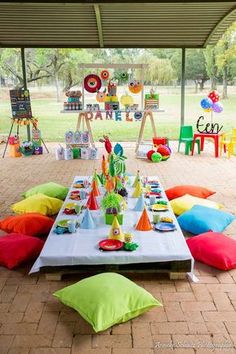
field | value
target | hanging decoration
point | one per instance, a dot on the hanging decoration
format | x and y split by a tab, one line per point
92	83
135	86
101	96
105	75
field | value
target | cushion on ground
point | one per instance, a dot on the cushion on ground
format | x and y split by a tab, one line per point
16	249
31	224
186	202
214	249
107	299
202	219
50	189
38	203
195	191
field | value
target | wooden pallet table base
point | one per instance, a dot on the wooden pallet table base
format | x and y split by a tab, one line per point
175	269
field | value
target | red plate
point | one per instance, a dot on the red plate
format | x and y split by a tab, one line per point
110	245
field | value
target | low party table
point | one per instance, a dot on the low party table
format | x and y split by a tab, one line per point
159	251
215	136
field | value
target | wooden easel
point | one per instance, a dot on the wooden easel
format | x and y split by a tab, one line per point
146	114
82	119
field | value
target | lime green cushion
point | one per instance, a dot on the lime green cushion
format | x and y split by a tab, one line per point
38	203
50	189
107	299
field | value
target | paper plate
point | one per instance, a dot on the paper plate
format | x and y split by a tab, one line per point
159	207
110	245
64	223
79	184
165	226
70	206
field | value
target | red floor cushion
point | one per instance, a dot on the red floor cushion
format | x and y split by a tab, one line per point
16	249
32	224
214	249
196	191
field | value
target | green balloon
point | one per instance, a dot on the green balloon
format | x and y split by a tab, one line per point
156	157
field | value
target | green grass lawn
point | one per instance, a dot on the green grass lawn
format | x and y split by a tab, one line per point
54	124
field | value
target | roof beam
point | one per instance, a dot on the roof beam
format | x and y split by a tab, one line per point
215	29
99	25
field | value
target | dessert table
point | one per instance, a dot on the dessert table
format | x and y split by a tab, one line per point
79	251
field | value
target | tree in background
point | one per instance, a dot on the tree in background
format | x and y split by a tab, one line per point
196	68
211	67
226	57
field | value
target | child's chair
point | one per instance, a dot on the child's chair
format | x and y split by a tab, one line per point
228	143
186	137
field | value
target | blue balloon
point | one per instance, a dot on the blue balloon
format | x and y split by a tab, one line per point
206	103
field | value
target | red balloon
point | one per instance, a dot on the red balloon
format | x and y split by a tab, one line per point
149	154
214	96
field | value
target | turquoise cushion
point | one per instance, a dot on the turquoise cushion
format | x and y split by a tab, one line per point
200	219
107	299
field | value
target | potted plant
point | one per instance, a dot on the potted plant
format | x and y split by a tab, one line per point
112	204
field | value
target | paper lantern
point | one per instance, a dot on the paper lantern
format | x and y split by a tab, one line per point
149	154
156	157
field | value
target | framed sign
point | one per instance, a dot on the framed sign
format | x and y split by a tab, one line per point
20	104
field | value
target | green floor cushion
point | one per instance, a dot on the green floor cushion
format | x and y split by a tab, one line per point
50	189
38	203
107	299
186	202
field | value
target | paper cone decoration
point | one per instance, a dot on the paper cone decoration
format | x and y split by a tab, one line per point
95	189
92	203
104	166
116	232
137	179
140	205
109	185
96	178
144	222
87	222
138	190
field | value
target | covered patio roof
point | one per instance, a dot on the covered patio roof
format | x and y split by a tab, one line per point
109	24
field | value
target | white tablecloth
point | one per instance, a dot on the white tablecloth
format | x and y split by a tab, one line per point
81	248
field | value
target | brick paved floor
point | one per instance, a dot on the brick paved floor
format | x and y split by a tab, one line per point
197	315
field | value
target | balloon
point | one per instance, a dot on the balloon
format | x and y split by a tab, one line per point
217	107
214	96
208	110
156	157
206	103
149	154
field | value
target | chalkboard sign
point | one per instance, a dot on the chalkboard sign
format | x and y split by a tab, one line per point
20	104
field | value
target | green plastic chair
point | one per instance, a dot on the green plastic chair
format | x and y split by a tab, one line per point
186	137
